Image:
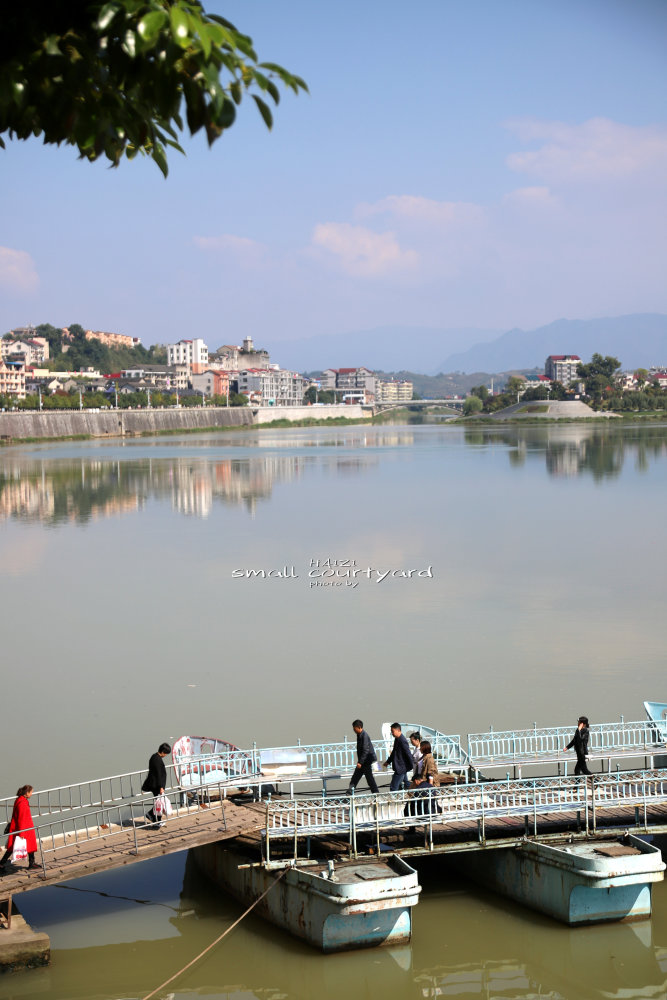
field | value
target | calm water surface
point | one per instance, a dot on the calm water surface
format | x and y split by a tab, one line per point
542	595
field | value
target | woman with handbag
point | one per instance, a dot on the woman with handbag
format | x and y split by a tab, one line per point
21	825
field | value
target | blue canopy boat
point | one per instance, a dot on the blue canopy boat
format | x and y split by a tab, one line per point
657	713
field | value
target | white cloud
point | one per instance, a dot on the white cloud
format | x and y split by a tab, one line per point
17	271
531	198
424	210
595	150
361	251
244	250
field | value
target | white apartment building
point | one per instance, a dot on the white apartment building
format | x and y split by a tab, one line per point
12	380
562	368
193	353
271	386
33	350
394	390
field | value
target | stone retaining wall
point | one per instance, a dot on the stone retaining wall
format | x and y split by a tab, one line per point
115	423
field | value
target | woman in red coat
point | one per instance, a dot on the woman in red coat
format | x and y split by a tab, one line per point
21	823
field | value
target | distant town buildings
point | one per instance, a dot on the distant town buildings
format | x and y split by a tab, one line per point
163	377
29	350
393	390
350	384
112	339
213	382
562	368
535	381
231	358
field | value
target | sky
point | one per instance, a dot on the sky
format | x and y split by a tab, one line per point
457	163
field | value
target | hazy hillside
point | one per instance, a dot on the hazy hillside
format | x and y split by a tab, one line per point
453	383
637	341
389	348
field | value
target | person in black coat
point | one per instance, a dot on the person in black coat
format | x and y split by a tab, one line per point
400	759
580	743
156	779
366	757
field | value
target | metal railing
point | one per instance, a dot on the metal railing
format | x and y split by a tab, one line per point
523	746
318	760
532	799
324	761
117	788
113	820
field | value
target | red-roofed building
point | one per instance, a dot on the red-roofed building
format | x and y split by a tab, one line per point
562	368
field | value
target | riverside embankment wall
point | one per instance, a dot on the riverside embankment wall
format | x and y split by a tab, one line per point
266	414
116	423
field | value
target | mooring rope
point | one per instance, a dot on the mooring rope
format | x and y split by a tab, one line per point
218	939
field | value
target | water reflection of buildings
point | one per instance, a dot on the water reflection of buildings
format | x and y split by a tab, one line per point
570	451
58	492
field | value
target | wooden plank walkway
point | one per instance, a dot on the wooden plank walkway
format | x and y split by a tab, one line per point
457	835
115	846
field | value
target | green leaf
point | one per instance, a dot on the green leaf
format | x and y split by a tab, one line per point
51	46
130	44
205	39
261	80
222	20
264	111
107	15
179	27
150	25
158	155
273	90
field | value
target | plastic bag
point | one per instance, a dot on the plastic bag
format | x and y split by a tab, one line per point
162	807
19	850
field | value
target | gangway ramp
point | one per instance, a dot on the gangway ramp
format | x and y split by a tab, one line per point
107	841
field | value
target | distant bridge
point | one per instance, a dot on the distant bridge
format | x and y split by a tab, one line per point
419	404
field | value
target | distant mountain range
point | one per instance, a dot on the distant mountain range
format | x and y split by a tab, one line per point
638	341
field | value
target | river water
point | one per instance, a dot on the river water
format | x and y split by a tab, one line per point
153	588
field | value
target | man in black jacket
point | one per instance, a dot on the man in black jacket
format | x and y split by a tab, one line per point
156	779
580	743
366	757
400	759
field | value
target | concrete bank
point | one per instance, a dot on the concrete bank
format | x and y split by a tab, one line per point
119	423
20	946
572	409
268	414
